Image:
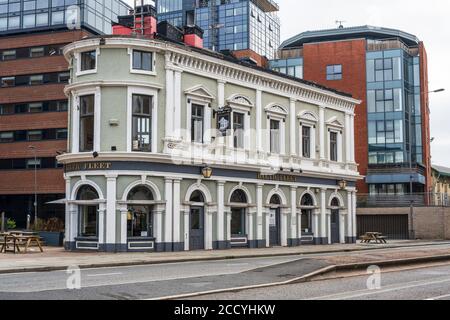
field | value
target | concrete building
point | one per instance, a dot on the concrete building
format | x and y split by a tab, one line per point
387	70
33	107
175	148
241	25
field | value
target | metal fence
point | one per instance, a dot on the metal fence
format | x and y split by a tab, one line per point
403	200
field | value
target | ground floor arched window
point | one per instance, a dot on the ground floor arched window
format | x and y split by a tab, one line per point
88	213
140	217
307	204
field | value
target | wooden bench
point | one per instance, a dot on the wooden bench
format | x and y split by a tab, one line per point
20	241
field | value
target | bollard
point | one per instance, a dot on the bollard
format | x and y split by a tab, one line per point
3	221
28	222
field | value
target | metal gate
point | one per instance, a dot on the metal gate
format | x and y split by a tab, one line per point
394	227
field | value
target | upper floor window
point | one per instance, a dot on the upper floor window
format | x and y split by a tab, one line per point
275	136
35	107
6	136
37	52
87	123
197	122
334	72
333	146
36	79
306	142
8	82
142	60
142	121
9	55
88	60
238	129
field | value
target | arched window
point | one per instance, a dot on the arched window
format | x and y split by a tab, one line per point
140	193
197	196
275	200
307	201
239	196
306	218
88	220
335	202
87	192
140	218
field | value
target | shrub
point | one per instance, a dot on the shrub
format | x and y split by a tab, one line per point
11	224
50	225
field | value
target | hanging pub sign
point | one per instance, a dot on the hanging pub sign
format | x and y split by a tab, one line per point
224	120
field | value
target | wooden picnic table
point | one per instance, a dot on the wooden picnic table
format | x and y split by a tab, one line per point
373	236
19	240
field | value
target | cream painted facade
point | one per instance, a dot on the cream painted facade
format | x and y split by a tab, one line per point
286	178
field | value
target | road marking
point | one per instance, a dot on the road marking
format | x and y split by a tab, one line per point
104	274
365	292
439	297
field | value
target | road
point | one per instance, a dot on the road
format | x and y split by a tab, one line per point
167	280
427	283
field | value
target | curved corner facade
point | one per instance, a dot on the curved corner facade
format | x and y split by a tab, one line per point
172	148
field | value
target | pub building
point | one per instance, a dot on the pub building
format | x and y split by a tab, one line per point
174	147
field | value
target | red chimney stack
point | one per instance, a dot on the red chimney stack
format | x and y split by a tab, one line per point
193	36
132	23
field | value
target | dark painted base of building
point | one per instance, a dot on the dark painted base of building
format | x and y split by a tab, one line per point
350	240
320	241
256	244
88	244
221	245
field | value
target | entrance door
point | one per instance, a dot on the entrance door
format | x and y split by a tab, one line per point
335	226
197	229
274	227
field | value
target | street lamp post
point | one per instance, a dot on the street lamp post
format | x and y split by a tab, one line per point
35	184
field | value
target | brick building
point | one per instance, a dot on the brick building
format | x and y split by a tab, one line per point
33	106
387	70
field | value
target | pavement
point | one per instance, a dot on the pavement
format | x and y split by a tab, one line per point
59	259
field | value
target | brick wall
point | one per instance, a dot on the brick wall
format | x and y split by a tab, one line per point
352	56
39	39
22	181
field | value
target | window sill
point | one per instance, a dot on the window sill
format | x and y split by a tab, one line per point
85	72
143	72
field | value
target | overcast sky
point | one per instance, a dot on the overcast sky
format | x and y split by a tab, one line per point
428	20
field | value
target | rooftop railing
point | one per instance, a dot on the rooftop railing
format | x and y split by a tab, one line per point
394	43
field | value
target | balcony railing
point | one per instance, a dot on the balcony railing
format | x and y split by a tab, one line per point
395	168
403	200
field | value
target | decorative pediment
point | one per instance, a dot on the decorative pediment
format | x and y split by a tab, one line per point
276	109
240	100
308	116
200	92
334	122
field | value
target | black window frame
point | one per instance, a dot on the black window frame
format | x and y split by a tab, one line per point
197	116
306	141
333	146
86	144
141	117
88	64
138	64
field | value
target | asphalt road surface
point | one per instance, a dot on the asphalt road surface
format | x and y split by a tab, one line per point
428	283
163	280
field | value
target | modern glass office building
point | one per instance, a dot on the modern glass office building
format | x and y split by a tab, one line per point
228	24
34	15
387	70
